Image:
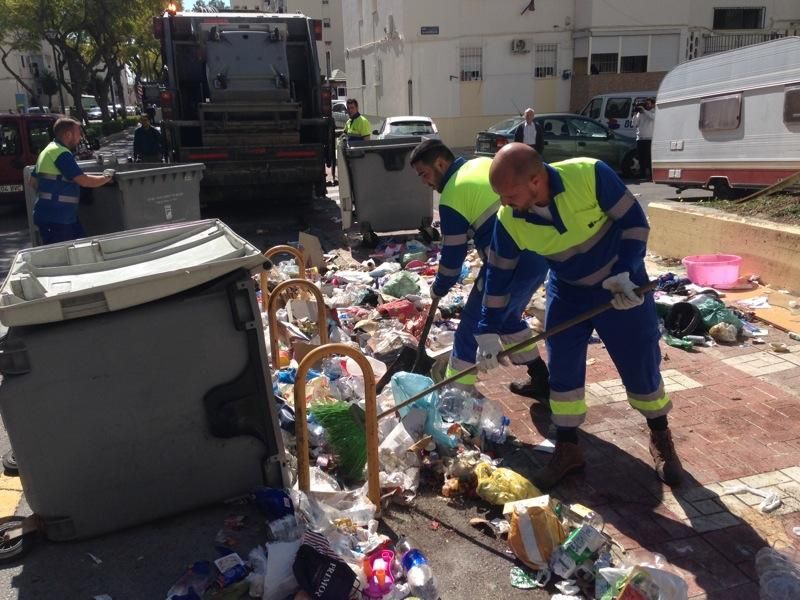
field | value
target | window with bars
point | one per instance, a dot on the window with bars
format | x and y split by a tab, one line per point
604	63
471	64
634	64
738	18
546	61
326	22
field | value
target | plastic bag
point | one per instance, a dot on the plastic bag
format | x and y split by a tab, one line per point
723	332
714	312
498	486
404	386
193	584
402	283
536	532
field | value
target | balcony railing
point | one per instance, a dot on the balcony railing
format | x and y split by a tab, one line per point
719	42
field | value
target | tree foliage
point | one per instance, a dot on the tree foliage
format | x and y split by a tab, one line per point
94	41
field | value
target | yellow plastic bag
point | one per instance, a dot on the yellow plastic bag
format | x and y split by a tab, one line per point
535	532
498	486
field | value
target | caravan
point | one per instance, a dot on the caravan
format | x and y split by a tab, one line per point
730	121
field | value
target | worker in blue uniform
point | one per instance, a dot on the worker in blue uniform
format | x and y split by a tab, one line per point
579	215
58	179
467	211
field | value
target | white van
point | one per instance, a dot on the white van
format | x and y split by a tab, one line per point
730	121
615	111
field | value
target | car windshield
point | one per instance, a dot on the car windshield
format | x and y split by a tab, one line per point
411	127
505	125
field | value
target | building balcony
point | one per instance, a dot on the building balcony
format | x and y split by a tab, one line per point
720	42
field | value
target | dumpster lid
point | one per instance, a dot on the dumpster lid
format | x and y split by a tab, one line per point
118	270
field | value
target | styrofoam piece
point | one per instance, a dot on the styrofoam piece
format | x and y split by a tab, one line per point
119	270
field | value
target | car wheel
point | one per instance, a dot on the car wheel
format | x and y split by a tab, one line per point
631	167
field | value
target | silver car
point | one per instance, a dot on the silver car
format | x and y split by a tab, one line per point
405	126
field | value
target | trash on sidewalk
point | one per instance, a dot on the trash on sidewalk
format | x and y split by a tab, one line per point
771	499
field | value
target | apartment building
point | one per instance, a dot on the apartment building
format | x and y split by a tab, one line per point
30	66
470	63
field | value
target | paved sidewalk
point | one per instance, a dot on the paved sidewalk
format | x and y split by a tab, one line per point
735	420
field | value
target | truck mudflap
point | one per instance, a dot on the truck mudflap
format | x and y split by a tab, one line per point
258	166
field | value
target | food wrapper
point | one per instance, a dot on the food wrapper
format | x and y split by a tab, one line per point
498	486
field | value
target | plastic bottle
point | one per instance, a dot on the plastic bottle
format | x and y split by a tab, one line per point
456	405
794	336
417	570
601	585
778	573
493	422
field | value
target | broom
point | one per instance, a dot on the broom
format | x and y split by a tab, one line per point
347	438
344	422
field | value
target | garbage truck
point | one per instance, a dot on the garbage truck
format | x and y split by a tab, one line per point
242	93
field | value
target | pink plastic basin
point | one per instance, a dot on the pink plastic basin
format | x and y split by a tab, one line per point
713	269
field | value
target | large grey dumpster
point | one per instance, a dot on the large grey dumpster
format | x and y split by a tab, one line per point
132	413
385	188
141	195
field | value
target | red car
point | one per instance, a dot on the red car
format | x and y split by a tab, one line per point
22	137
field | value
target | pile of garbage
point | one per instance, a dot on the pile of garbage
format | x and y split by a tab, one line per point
325	543
694	315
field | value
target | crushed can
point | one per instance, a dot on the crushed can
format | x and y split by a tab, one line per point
576	550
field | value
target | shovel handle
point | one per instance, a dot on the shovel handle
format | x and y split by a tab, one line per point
428	324
564	325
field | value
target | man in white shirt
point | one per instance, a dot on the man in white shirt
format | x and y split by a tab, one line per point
643	120
530	132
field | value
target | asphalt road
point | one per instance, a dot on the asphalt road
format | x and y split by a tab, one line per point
143	562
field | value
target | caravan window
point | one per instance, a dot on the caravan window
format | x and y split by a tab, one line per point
618	108
721	113
791	105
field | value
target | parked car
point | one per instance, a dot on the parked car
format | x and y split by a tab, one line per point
94	113
567	136
132	111
616	110
340	115
395	127
38	110
22	137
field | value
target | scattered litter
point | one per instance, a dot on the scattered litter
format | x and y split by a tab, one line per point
771	499
568	588
528	580
755	303
779	347
723	332
545	446
796	531
102	597
96	560
590	361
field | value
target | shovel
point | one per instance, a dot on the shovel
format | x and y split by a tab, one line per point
409	360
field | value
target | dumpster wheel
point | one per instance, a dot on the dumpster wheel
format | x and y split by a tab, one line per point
17	536
429	234
369	239
10	463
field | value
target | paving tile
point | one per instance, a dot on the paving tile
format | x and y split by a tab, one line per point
679	507
766	479
759	363
707	523
737	544
709	507
793	472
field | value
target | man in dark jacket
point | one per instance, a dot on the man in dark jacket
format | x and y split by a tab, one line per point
146	142
530	133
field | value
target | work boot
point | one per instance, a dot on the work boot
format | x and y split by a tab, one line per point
668	465
537	385
567	459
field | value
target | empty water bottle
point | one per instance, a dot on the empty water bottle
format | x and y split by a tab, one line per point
778	574
493	422
417	570
459	406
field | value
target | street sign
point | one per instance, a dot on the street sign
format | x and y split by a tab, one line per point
429	30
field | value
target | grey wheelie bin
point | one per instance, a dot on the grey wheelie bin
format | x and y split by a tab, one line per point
386	190
135	377
140	195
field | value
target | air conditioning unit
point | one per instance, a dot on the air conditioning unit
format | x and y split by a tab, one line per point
519	47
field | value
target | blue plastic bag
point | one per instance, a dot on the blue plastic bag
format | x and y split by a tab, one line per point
406	385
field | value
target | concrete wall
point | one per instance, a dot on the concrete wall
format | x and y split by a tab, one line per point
333	36
768	249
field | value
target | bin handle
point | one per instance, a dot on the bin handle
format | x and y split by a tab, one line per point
264	277
371	419
272	318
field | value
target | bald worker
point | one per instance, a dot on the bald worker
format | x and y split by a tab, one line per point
581	218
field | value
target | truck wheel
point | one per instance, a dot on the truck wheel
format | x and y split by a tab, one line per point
631	167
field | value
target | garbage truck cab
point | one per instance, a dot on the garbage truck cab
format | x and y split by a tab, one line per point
242	93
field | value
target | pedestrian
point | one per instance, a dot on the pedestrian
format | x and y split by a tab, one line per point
579	215
467	211
643	120
58	179
146	142
530	132
357	127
